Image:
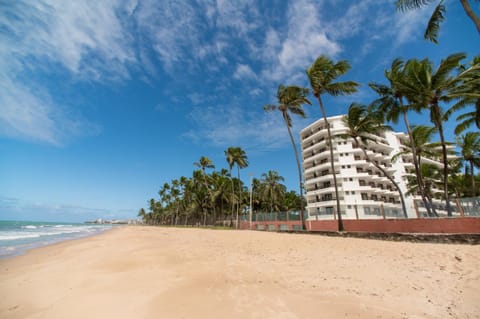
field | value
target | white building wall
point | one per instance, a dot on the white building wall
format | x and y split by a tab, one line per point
363	191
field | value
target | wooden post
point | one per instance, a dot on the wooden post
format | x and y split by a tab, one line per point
356	211
382	210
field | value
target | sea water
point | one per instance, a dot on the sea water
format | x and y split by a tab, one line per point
16	237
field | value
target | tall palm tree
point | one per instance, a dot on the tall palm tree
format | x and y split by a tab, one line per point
391	103
438	15
236	156
203	164
290	100
470	149
428	88
363	124
322	74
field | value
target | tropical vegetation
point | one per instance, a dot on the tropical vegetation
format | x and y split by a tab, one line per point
447	91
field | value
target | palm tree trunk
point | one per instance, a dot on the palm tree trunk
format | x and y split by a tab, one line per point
474	188
402	200
429	198
471	14
332	165
233	199
239	195
299	173
416	162
445	166
211	198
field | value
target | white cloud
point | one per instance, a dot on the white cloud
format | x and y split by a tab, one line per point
243	71
85	38
305	40
225	126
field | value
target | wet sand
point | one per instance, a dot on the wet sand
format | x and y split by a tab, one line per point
149	272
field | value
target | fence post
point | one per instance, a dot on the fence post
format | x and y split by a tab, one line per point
416	208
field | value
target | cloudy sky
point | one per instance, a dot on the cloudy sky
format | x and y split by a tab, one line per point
101	102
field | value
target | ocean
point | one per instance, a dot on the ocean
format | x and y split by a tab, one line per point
16	237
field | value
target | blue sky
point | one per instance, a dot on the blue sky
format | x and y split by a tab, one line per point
101	102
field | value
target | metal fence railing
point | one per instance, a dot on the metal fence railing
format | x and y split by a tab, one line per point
469	207
272	216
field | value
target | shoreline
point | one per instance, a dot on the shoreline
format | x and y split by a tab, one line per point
151	272
25	248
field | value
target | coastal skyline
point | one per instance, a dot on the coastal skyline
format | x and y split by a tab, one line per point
102	103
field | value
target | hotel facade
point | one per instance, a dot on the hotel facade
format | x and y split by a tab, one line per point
364	191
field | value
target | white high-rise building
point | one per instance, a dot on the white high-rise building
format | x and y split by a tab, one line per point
364	191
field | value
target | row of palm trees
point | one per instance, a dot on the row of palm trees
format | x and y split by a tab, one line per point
413	86
211	197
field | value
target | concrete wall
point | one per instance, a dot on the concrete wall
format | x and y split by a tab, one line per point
466	225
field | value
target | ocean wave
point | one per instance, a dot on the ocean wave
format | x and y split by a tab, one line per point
29	227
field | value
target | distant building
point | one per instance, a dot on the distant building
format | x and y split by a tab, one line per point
364	191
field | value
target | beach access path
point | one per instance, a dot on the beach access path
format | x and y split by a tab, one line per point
156	272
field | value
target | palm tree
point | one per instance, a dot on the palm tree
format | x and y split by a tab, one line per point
236	155
363	124
322	74
470	148
472	77
290	100
438	15
272	189
427	88
142	214
203	164
422	147
391	104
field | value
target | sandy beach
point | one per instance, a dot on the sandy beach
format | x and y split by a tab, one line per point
147	272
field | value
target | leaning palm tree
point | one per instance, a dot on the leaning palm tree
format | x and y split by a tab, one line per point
322	74
391	103
236	155
470	150
438	15
427	88
421	148
363	124
290	100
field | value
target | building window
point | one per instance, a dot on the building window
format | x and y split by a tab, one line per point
347	192
349	206
364	196
329	210
366	210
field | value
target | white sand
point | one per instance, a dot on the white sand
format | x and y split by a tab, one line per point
146	272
